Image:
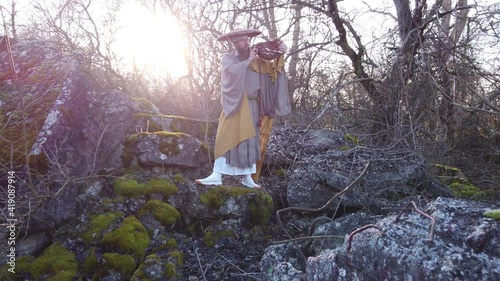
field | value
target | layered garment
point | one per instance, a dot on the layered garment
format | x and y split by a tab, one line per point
244	83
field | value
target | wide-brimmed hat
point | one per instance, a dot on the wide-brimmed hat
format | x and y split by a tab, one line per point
238	33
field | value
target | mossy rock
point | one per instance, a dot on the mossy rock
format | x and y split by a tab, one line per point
463	189
98	224
171	243
124	264
163	212
129	187
142	272
261	206
156	268
161	186
261	209
55	263
130	238
216	196
494	214
178	178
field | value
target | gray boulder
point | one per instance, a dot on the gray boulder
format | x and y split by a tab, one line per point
465	246
310	187
168	149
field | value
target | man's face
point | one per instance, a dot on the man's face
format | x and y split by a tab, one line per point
242	43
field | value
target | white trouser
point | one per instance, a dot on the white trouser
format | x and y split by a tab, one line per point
220	166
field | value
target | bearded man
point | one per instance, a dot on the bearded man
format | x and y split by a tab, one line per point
251	88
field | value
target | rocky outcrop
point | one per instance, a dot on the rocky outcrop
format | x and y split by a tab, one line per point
114	197
462	245
321	163
168	149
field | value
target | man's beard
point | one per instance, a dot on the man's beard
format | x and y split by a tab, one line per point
243	53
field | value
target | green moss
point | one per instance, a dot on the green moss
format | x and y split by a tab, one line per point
128	188
462	189
141	273
56	262
352	139
281	173
171	243
22	265
98	224
212	199
130	238
176	257
163	212
494	214
178	178
210	238
261	209
90	263
161	186
344	148
170	270
125	264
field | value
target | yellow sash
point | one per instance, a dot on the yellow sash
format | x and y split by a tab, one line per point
235	129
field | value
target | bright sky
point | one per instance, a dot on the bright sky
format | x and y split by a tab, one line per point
153	41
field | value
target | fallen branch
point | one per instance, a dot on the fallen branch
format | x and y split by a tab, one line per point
351	236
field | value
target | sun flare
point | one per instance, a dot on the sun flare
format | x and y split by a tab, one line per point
151	41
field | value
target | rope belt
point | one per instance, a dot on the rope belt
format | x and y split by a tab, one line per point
253	98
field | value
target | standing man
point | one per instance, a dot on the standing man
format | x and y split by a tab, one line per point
251	88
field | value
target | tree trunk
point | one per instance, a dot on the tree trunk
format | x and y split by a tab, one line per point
294	54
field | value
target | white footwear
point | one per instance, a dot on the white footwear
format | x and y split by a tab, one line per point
248	182
214	179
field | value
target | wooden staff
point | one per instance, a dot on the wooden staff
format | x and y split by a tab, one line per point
265	131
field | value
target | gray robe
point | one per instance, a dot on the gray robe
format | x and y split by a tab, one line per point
238	79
